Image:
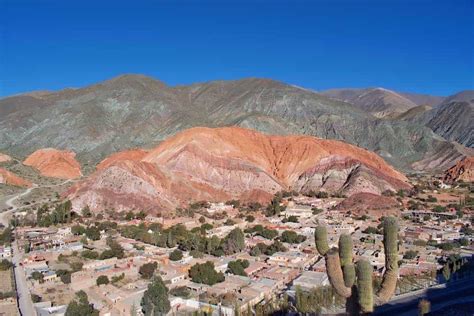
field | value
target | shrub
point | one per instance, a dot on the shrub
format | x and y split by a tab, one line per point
196	254
292	237
180	291
410	254
176	255
64	275
103	279
250	218
5	265
90	254
229	222
117	278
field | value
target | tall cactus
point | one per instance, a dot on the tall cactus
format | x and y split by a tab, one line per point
342	273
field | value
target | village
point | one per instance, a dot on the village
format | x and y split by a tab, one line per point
247	257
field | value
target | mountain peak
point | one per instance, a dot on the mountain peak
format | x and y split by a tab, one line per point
125	80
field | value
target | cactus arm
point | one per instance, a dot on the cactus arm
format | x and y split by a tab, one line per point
349	274
390	276
334	271
321	239
345	249
364	286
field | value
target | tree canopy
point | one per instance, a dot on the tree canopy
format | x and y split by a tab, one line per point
155	299
205	273
80	306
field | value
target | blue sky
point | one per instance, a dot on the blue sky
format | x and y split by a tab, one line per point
412	46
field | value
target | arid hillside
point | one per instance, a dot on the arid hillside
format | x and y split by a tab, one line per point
9	178
225	163
55	163
462	171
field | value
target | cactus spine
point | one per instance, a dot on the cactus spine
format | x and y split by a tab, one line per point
342	273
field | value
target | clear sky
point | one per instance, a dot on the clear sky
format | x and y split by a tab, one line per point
412	46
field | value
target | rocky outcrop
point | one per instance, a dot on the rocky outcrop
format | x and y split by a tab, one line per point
9	178
225	163
55	163
4	158
462	171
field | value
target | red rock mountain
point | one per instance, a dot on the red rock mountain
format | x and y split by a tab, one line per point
224	163
132	154
7	177
55	163
463	170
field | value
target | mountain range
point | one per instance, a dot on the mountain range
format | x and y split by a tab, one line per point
137	111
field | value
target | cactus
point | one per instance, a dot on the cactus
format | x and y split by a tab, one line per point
321	238
342	272
345	249
390	276
349	274
364	286
336	278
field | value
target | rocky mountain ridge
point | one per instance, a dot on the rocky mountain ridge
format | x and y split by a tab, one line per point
137	111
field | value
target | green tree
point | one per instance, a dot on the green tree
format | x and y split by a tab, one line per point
90	254
238	267
292	237
250	218
78	230
103	279
205	273
6	236
86	212
115	247
234	242
93	233
170	240
5	265
410	254
37	276
274	208
64	275
176	255
80	306
147	270
155	300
